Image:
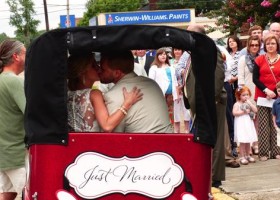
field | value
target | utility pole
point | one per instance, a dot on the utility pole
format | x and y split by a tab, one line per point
67	17
46	15
153	4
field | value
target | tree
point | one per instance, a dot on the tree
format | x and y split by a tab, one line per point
200	6
94	7
21	18
236	13
3	36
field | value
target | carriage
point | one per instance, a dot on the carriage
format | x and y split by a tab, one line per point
133	166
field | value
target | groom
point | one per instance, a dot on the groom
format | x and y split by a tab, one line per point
150	115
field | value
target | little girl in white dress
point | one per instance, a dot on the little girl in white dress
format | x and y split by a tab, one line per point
244	130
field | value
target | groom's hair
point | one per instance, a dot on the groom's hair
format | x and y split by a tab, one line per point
121	60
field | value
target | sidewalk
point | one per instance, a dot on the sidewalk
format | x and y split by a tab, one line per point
255	181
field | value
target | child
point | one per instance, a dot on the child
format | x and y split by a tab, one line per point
276	113
244	129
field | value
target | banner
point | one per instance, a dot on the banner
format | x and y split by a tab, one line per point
148	17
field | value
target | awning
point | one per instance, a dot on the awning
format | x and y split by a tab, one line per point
217	34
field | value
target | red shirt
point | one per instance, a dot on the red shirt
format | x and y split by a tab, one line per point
266	76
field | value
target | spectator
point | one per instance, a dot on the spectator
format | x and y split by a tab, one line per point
266	74
276	113
150	115
179	106
233	47
222	154
86	107
274	28
144	59
245	72
244	129
218	162
265	33
255	31
12	106
165	77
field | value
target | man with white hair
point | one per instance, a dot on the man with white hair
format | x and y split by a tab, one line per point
12	106
274	28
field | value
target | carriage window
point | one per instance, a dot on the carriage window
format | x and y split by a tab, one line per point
111	108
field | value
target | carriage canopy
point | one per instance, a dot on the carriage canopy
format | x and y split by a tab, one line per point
46	69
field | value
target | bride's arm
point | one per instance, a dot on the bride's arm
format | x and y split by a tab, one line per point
109	122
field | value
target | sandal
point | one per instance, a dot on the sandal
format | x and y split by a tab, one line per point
277	157
263	158
251	159
243	161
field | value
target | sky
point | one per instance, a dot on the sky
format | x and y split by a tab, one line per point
55	9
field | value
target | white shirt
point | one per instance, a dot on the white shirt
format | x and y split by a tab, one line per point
228	63
160	76
142	60
139	70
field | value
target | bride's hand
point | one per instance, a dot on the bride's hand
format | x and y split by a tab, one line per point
131	97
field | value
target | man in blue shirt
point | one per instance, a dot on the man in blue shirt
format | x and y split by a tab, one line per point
276	113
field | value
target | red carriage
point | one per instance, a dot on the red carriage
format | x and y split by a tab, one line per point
108	166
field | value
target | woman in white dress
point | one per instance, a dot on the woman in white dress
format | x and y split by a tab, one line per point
180	110
245	72
87	111
244	129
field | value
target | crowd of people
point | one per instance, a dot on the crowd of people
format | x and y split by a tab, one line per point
155	98
252	77
258	68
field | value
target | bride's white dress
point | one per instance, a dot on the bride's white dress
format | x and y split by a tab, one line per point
81	116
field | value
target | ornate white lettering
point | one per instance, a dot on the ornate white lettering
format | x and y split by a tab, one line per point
139	175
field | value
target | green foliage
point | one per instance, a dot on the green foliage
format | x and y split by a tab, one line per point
3	36
22	19
201	6
235	13
94	7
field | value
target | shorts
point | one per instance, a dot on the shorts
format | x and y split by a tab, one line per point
13	181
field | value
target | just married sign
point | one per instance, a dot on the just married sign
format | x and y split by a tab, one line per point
93	175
